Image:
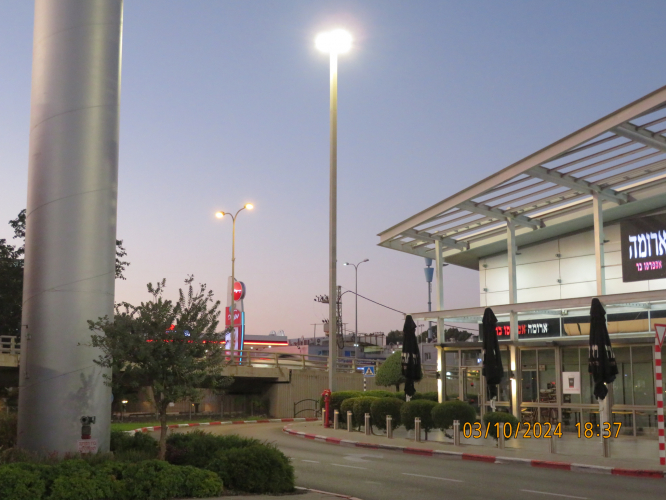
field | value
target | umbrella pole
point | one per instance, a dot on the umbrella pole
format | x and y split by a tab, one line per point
604	414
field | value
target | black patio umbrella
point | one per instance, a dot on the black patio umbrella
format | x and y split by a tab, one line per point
492	358
411	357
602	363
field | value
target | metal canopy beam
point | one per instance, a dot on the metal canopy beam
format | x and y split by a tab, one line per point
643	136
496	213
578	184
432	238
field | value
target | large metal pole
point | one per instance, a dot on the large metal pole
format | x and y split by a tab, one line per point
71	221
599	244
333	221
232	311
441	355
514	350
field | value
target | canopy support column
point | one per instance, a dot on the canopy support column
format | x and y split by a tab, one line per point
514	362
441	356
599	243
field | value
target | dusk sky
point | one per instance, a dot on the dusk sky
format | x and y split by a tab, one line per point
226	102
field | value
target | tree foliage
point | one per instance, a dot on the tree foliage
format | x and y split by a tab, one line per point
11	276
143	349
389	372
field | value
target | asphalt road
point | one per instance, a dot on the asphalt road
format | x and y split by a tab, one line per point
381	475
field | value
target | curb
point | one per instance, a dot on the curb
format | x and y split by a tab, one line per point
337	495
234	422
544	464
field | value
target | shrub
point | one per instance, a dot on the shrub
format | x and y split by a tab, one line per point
380	393
154	479
348	405
421	408
444	414
200	483
123	441
360	407
198	448
336	400
259	468
430	396
19	484
8	430
386	406
499	417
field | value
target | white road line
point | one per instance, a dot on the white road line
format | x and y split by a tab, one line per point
433	477
310	461
554	494
350	466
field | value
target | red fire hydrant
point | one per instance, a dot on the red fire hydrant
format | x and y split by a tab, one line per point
327	404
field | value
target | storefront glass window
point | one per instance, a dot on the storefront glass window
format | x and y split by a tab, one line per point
570	363
586	381
622	386
646	423
546	376
452	382
643	375
504	388
452	359
528	361
570	417
471	357
471	386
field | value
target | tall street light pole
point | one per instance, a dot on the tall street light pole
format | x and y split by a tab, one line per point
356	305
333	42
232	309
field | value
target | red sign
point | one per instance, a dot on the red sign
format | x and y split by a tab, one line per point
237	317
239	290
87	446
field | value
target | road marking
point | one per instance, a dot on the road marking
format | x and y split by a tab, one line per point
310	461
433	477
554	494
359	457
350	466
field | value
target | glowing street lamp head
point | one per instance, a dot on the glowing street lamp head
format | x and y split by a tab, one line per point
334	42
219	215
249	206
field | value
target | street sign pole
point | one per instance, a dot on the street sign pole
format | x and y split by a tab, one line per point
658	342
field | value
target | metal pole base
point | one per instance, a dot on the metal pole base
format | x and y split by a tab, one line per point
336	418
456	433
350	426
368	428
417	430
389	426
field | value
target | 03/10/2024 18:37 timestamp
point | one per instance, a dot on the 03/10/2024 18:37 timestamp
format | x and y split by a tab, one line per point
539	430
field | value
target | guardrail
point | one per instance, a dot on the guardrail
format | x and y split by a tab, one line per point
10	344
262	359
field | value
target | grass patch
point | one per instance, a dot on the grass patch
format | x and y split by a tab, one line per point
130	426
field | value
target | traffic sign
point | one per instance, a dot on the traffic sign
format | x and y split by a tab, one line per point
368	371
660	329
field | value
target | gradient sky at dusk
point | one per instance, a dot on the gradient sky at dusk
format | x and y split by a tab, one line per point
226	102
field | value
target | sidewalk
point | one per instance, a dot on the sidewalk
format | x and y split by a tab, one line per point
583	455
301	494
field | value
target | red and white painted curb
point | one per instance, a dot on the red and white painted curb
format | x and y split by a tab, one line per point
234	422
594	469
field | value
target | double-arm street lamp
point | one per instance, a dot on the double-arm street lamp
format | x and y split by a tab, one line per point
333	42
356	293
232	309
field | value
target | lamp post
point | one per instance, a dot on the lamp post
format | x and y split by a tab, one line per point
333	42
232	309
356	305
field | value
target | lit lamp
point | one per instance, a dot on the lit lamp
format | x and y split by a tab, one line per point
122	414
333	43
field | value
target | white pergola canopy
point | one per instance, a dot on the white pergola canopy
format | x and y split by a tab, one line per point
621	158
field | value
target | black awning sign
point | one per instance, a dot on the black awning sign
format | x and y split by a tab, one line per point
643	244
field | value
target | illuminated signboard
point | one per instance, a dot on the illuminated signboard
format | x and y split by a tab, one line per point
643	244
530	329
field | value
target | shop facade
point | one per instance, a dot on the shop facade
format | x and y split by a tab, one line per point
582	218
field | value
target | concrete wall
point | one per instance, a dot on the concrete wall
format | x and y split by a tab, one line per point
558	269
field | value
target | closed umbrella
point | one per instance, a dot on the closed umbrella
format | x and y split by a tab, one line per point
492	358
411	357
602	363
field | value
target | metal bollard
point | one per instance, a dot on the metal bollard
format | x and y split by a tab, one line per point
336	419
551	445
456	433
323	417
368	429
389	426
500	439
350	426
417	429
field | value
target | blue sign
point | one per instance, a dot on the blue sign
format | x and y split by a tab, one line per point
368	371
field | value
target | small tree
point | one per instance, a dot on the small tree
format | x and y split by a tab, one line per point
143	343
389	372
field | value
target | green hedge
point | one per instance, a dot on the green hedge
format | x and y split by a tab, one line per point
499	417
255	469
382	407
77	479
421	408
360	407
443	414
135	445
430	396
336	400
8	430
348	405
381	393
197	448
